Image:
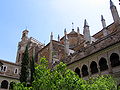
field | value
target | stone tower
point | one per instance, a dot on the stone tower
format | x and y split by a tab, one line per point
21	46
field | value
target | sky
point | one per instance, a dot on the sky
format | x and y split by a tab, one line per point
41	17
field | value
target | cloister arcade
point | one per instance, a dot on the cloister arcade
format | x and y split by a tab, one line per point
96	67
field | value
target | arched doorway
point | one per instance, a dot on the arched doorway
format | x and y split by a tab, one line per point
103	64
114	59
93	67
4	84
77	70
85	71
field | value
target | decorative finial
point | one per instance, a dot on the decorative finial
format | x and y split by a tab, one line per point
72	26
103	21
65	32
58	37
102	18
78	30
85	23
51	37
111	3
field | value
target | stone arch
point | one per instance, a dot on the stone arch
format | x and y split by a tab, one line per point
85	70
93	67
11	85
103	64
4	84
114	59
77	71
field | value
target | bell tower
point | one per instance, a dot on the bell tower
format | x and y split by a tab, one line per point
21	46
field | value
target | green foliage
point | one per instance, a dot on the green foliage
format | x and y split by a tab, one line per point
32	70
61	78
24	66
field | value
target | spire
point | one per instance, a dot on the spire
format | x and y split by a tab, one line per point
58	37
103	21
86	32
114	12
102	18
72	26
105	31
51	36
111	3
78	31
85	23
65	32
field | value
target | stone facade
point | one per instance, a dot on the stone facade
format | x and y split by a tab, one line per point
9	72
87	55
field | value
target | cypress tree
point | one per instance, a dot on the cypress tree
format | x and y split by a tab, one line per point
24	66
32	70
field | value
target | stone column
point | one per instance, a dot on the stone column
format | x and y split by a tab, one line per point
109	64
98	67
89	71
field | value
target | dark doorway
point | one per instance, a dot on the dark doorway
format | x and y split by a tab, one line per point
77	70
114	58
85	71
103	64
4	84
93	67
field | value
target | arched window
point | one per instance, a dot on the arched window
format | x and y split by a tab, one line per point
84	70
103	64
114	58
16	71
77	70
4	84
4	68
93	67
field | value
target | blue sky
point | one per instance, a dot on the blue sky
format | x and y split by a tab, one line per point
41	17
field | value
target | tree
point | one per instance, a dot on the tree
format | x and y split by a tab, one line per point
61	78
24	66
32	70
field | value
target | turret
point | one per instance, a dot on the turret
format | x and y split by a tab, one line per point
86	32
105	32
114	12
